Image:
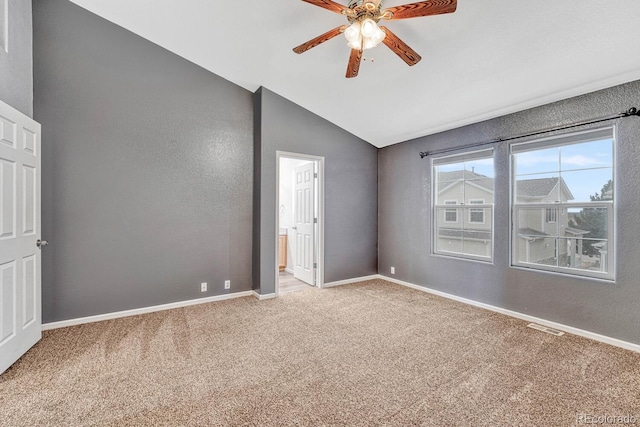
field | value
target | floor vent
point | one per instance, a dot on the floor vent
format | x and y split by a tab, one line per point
545	329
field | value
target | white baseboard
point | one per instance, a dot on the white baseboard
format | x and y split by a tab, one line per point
263	296
348	281
569	329
136	311
289	270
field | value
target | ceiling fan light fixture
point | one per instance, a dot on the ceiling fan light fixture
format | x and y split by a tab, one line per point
378	36
364	34
368	43
352	33
356	44
368	27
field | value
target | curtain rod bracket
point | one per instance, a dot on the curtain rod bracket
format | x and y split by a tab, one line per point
631	112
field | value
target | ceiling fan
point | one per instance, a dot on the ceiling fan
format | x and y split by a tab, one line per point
364	32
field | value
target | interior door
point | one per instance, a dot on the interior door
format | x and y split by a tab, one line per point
304	200
20	268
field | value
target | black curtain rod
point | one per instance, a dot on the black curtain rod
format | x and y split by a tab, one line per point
629	113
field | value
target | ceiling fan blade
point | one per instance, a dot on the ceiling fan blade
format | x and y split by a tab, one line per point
328	4
354	63
421	8
320	39
400	48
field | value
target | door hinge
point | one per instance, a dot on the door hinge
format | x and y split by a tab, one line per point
315	220
315	175
315	265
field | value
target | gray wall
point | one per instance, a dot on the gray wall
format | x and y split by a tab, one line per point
147	169
16	64
350	189
405	234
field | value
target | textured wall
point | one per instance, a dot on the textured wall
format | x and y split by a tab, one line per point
147	169
405	234
16	64
350	189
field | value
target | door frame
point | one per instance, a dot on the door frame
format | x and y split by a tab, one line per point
319	249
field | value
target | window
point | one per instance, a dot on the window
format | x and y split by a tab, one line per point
552	215
476	215
463	180
451	215
563	203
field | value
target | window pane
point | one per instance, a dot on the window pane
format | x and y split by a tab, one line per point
532	222
588	224
449	240
542	188
588	185
481	168
539	161
478	188
538	250
462	229
587	155
581	258
477	247
450	185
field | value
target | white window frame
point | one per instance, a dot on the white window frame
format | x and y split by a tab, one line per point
608	132
554	216
475	210
458	158
455	211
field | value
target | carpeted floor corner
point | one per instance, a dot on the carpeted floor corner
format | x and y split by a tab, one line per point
371	353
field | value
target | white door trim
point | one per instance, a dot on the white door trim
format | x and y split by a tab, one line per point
319	274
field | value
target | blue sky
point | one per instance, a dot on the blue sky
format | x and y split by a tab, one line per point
585	167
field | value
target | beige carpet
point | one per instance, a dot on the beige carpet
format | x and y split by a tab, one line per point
372	353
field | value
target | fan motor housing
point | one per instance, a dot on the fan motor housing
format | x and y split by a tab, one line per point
361	9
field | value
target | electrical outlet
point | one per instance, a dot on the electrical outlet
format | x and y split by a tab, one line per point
393	270
227	284
203	287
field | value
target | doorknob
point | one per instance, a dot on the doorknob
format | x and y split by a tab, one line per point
41	243
294	228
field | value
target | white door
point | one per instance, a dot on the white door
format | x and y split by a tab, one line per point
20	269
304	199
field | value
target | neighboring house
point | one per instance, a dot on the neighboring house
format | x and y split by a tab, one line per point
540	226
465	229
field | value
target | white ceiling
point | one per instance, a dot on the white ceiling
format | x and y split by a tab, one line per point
489	58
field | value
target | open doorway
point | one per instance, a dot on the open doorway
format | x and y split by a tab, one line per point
299	222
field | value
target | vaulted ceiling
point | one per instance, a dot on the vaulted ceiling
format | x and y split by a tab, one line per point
489	58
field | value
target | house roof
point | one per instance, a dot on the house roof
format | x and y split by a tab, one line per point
541	187
536	188
530	232
576	231
445	179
